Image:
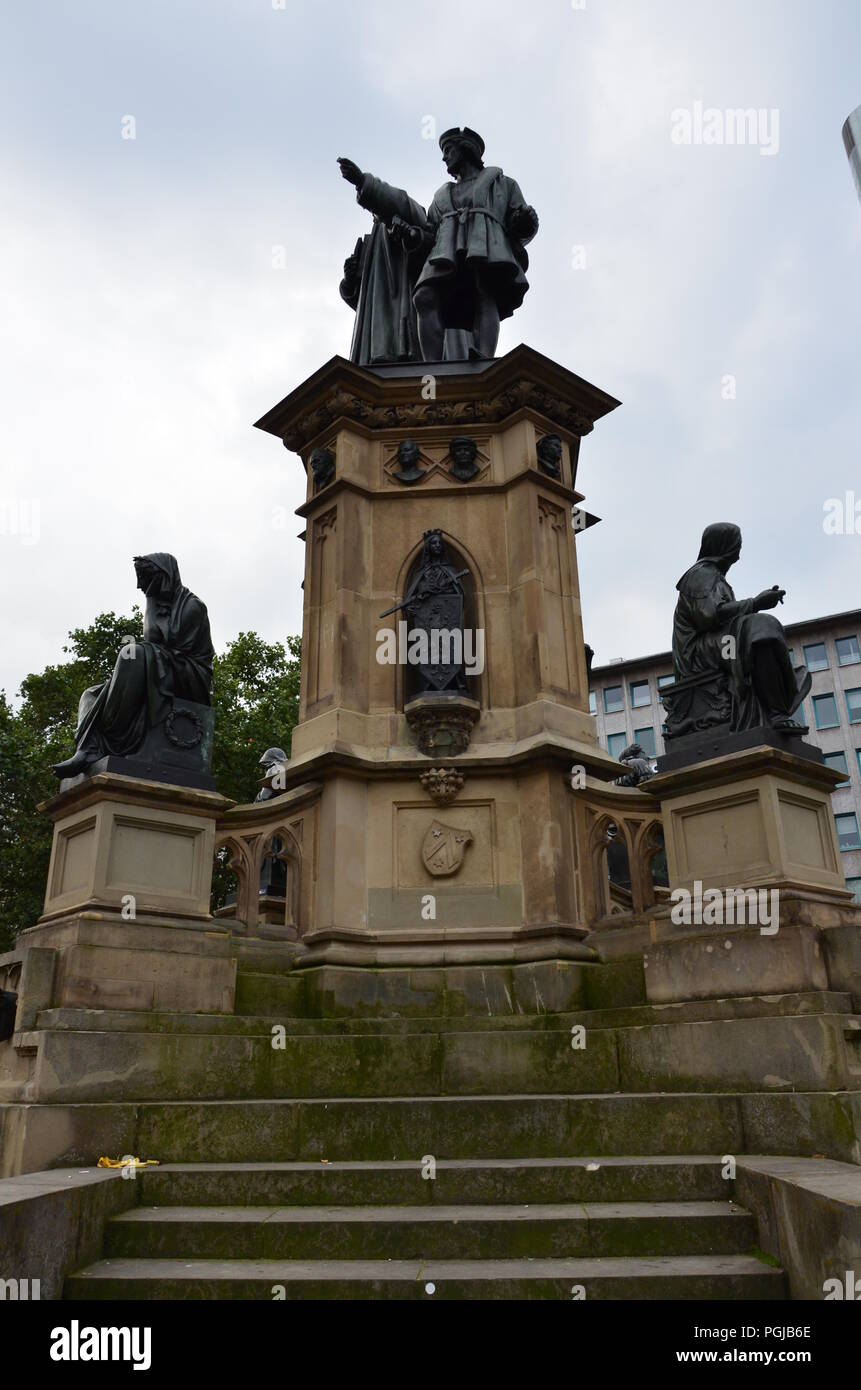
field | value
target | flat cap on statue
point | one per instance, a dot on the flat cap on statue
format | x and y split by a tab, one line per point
456	133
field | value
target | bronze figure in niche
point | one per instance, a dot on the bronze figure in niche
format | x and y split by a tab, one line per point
322	465
463	452
549	451
434	607
409	455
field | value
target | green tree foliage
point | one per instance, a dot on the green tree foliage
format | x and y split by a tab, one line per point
256	697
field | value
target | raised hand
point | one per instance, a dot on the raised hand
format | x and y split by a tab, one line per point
405	233
523	222
350	171
770	598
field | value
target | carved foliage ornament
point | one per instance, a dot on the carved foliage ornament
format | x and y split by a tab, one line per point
347	405
442	784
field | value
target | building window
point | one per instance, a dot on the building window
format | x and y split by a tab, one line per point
665	680
848	651
613	699
825	711
646	739
853	704
858	756
854	886
837	761
640	694
847	831
816	657
616	743
593	703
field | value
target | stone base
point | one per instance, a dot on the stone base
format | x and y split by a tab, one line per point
727	963
750	839
719	742
151	963
132	847
177	751
145	771
759	817
445	947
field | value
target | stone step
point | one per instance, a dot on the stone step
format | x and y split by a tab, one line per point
493	1180
483	991
526	1231
407	1127
147	1066
802	1052
161	1021
725	1277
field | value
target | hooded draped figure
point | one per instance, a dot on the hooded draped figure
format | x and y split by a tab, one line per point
380	277
764	686
174	660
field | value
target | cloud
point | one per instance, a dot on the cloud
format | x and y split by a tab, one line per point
147	328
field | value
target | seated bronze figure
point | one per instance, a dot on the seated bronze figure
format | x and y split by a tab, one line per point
731	660
172	662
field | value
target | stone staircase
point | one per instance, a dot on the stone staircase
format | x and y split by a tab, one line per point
462	1241
608	1228
457	1155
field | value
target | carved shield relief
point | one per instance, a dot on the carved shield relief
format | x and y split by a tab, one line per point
443	848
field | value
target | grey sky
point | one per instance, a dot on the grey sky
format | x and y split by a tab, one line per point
146	328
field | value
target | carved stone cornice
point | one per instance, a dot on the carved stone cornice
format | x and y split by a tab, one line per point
479	394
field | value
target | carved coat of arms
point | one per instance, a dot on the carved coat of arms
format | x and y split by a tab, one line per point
443	848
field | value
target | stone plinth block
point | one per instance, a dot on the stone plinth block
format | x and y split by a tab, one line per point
132	847
757	826
721	964
755	818
158	963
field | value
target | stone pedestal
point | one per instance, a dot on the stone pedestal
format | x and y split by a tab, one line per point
759	817
127	917
119	837
392	872
750	837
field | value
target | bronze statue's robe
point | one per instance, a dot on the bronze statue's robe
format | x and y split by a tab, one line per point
469	228
764	685
382	290
174	659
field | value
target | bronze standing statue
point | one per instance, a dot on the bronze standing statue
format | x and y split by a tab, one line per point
380	275
435	286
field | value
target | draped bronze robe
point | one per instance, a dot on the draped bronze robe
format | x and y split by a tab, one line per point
173	660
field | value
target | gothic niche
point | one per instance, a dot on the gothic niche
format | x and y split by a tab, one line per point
444	649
